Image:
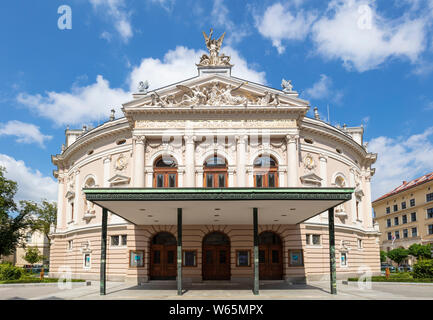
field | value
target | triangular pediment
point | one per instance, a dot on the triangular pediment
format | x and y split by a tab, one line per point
215	90
119	179
311	179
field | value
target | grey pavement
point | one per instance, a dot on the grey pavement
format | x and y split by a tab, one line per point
227	291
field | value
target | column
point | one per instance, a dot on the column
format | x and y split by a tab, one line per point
139	161
332	264
199	182
256	251
231	179
292	160
180	177
323	161
149	178
189	161
368	215
102	274
241	160
60	197
107	162
76	198
179	251
281	180
250	173
353	200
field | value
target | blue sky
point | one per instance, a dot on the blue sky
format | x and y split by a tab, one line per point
370	61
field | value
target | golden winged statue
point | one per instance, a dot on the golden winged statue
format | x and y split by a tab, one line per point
214	46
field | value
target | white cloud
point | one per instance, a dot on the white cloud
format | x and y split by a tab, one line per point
348	33
25	132
401	158
86	104
120	18
220	18
82	105
278	23
179	64
165	4
322	89
32	184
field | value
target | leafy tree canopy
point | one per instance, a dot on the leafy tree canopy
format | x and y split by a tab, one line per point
398	255
420	251
33	255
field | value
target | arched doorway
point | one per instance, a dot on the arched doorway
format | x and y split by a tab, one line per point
216	256
270	256
215	172
165	172
163	257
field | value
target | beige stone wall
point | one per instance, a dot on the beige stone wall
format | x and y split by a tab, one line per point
316	258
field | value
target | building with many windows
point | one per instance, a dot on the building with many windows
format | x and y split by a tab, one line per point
405	215
214	178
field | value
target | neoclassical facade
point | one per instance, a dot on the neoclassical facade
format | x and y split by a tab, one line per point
228	136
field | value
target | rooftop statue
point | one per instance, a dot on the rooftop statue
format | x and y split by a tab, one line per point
287	86
214	46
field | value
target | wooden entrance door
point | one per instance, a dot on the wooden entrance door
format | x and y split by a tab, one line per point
163	254
216	257
270	256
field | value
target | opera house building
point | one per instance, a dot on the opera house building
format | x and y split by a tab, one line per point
214	178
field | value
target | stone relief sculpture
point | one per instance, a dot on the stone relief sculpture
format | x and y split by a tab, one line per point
214	94
214	46
287	86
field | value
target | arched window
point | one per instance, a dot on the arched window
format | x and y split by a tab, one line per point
165	172
265	172
215	172
89	207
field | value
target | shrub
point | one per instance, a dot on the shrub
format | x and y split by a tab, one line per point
423	269
10	272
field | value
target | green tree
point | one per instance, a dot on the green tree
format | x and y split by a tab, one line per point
382	256
12	227
398	255
420	251
33	255
43	217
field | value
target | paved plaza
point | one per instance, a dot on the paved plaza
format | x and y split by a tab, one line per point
226	291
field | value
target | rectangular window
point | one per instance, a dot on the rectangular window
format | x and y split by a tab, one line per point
118	240
389	236
397	235
271	180
429	213
388	210
296	258
156	257
396	221
172	180
136	259
221	180
70	244
395	208
343	259
223	257
72	211
170	257
114	241
259	181
403	205
412	202
262	256
190	258
209	180
316	239
430	229
388	223
405	233
86	262
359	243
243	258
413	217
429	197
404	219
308	241
160	181
275	256
209	256
29	237
414	232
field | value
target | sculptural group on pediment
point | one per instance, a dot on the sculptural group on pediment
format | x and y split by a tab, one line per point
215	94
